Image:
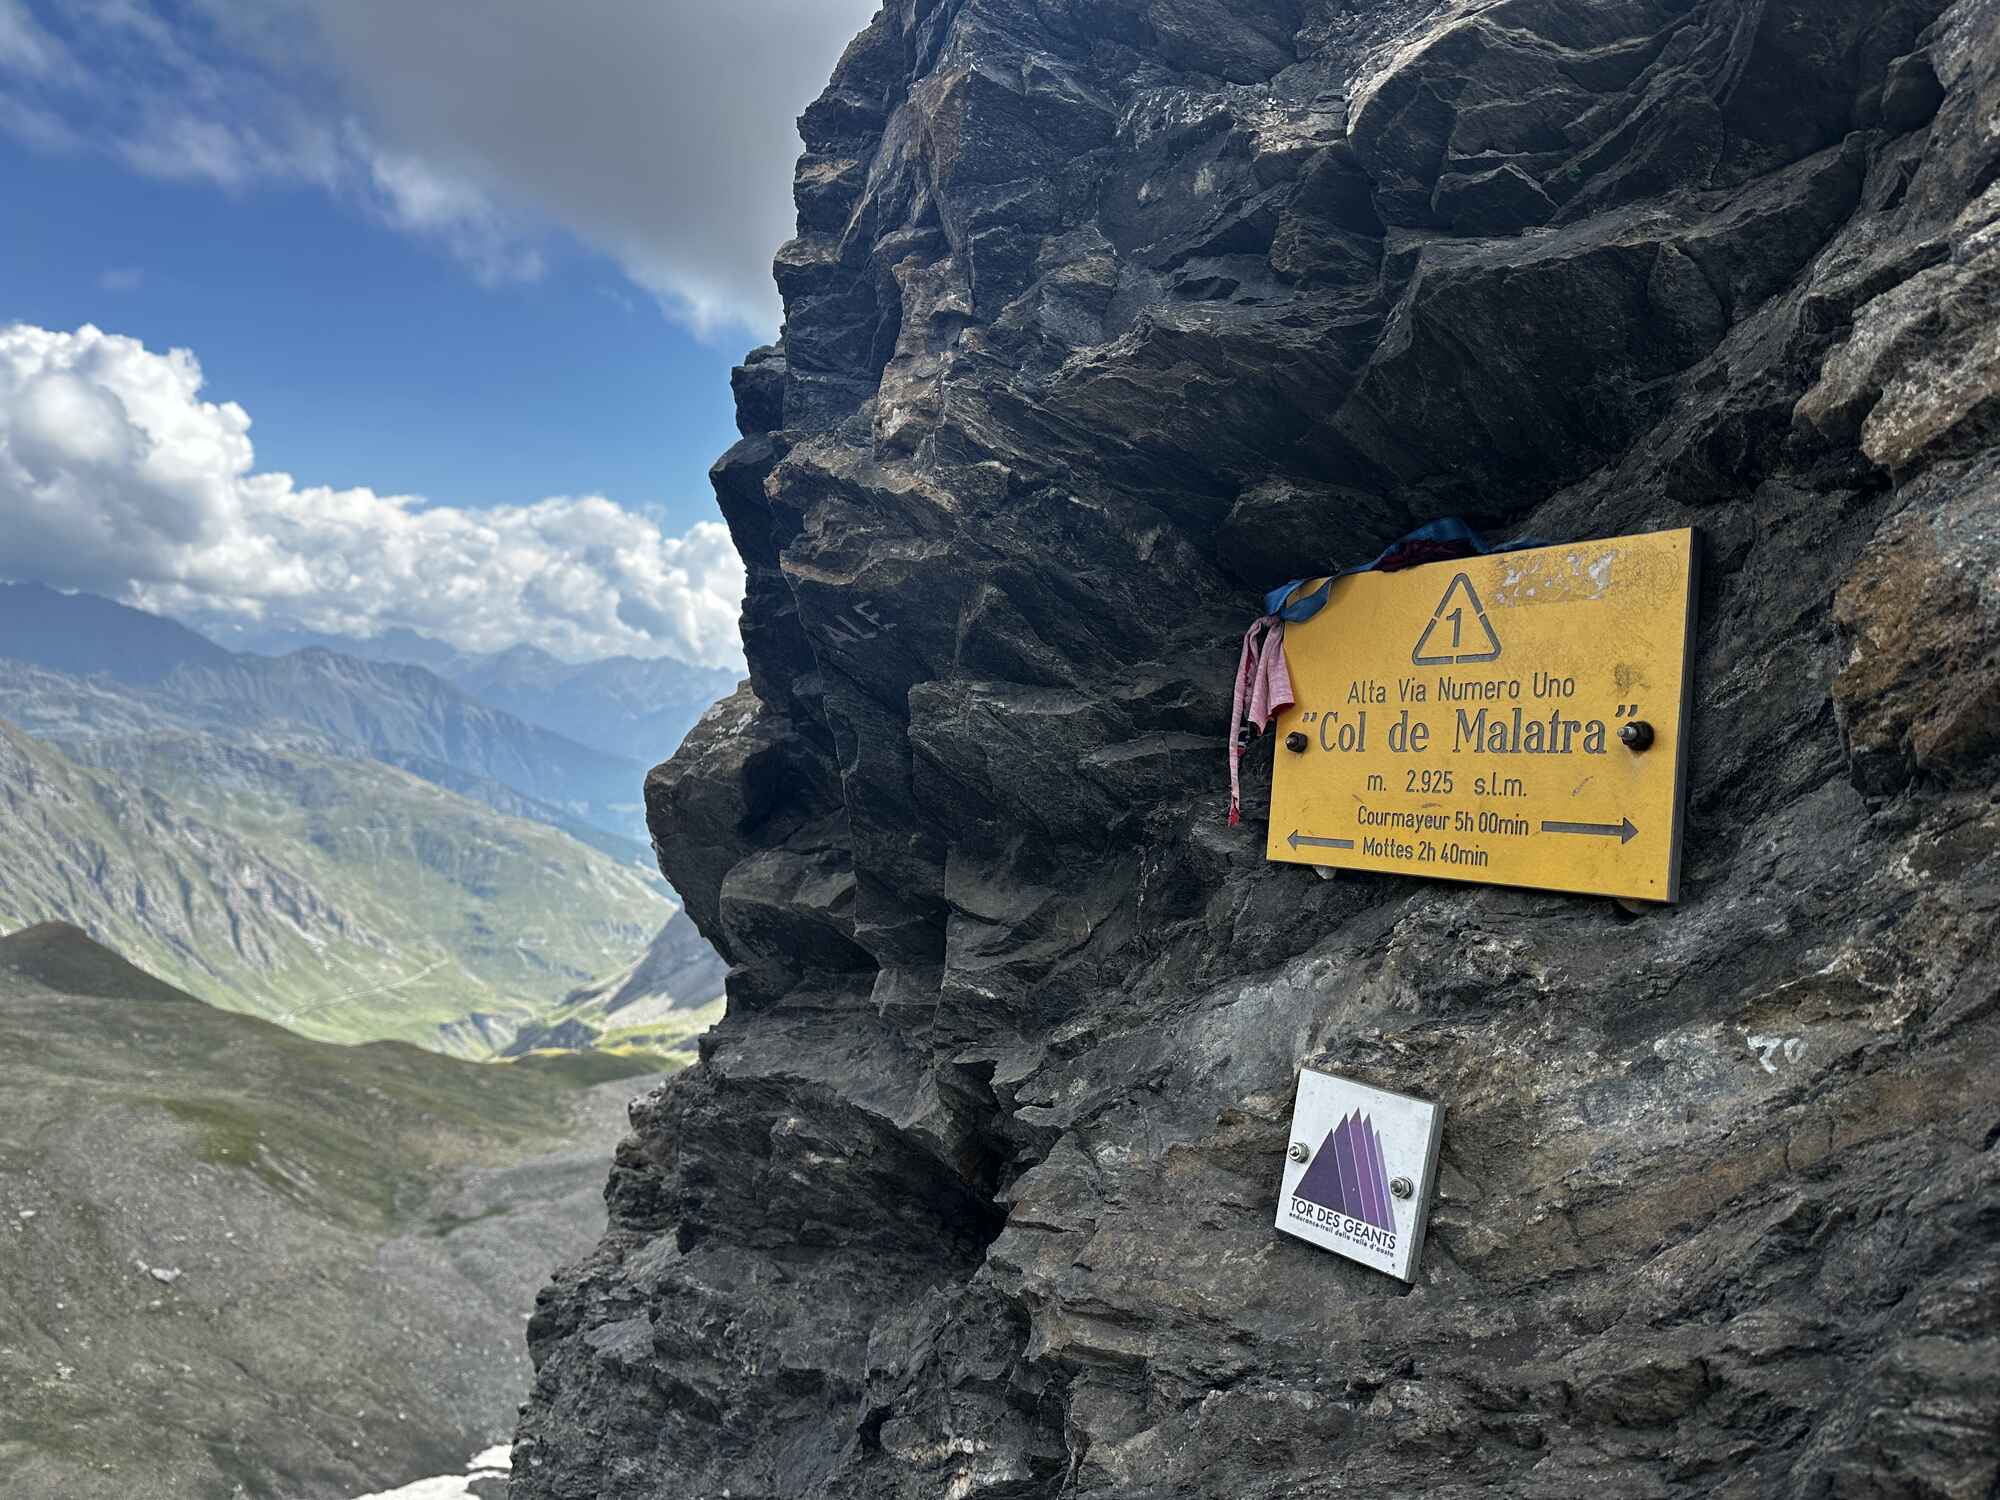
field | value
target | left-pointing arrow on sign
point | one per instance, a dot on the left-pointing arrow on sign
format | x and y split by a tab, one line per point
1298	838
1622	830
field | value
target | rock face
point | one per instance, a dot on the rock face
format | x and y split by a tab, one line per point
1101	318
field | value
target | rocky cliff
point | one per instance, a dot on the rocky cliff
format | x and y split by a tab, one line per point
1101	318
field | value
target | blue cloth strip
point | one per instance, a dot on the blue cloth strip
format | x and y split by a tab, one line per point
1447	529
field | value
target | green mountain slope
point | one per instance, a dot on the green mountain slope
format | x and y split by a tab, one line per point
403	714
70	712
658	1004
346	899
237	1262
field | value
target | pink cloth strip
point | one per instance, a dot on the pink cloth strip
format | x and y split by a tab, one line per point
1263	689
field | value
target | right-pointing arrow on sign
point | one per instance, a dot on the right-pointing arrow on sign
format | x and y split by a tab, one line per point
1622	830
1298	838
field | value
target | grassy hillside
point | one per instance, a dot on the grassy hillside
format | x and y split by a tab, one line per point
662	1002
237	1262
347	899
70	712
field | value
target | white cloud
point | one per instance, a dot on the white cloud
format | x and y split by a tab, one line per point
116	477
25	47
121	279
415	196
42	129
659	132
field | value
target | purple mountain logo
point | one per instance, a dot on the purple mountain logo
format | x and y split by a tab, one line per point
1347	1174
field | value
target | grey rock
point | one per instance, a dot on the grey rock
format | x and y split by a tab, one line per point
1911	93
1502	200
1102	320
1919	375
759	386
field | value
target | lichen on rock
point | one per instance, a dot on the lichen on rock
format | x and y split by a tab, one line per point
1101	319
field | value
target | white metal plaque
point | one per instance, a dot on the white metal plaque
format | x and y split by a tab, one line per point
1363	1189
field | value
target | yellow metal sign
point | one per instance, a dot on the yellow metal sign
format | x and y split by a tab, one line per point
1519	719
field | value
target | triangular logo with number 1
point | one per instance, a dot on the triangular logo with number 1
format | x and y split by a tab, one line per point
1457	628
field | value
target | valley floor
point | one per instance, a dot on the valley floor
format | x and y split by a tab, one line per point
236	1263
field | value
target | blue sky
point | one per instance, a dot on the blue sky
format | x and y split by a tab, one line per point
471	273
366	356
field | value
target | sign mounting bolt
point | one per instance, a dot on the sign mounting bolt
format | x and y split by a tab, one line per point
1402	1187
1295	741
1300	1151
1637	735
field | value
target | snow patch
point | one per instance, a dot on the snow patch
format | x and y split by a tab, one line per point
494	1463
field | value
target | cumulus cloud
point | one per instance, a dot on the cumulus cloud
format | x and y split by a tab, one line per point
659	132
117	477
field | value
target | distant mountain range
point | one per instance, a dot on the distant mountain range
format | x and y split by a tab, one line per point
346	899
359	849
406	715
83	635
237	1262
628	706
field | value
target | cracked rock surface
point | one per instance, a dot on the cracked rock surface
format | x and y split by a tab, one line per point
1103	316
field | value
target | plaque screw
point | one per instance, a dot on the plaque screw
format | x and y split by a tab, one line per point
1300	1151
1637	735
1402	1187
1295	741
